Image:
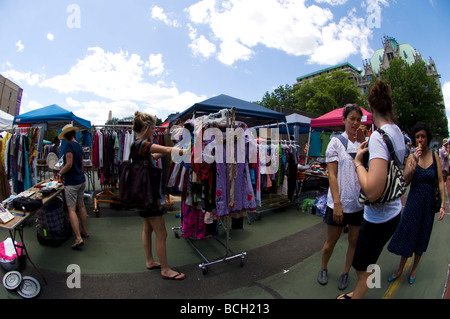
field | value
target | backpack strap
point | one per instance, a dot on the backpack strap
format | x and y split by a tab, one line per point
344	142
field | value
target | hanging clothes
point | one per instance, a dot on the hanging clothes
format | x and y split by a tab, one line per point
211	189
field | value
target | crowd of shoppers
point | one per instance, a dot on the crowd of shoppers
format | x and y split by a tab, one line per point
372	226
355	164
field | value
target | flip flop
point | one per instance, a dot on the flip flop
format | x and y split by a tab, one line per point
174	277
154	267
78	243
344	296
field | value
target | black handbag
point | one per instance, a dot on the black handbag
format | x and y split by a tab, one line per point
437	201
139	184
27	204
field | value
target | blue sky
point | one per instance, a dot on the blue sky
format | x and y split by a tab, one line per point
163	56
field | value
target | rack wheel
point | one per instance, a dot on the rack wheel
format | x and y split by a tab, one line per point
242	261
177	235
204	270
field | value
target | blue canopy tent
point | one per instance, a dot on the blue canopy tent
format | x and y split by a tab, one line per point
54	116
295	122
250	113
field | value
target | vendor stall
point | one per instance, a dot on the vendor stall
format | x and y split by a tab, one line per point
14	219
250	113
6	121
329	122
52	117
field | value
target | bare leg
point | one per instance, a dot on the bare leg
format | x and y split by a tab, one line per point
334	232
414	268
74	221
159	226
353	232
401	266
147	233
361	286
82	214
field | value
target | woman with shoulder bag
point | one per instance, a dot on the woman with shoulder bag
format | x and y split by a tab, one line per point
380	221
153	219
413	233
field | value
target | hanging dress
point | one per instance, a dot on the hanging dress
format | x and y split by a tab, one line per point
414	230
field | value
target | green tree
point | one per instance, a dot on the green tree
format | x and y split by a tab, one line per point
326	93
282	96
416	97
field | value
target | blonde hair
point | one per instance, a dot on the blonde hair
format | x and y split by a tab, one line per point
141	120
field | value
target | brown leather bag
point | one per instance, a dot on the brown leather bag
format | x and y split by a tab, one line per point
139	184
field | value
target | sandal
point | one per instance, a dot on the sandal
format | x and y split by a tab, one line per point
84	235
344	296
174	277
78	243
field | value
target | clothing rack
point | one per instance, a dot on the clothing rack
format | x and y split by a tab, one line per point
282	202
228	254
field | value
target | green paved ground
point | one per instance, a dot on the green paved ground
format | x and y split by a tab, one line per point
283	258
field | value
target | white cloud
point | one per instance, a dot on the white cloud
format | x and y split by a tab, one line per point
30	106
155	64
50	36
446	93
98	111
158	14
20	46
332	2
292	26
119	82
21	77
200	46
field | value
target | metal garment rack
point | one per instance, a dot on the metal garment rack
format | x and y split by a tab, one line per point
229	254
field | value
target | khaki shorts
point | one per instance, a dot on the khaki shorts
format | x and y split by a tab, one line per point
74	194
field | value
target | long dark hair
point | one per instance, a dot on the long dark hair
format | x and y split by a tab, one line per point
380	98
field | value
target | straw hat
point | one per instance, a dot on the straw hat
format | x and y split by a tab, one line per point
67	129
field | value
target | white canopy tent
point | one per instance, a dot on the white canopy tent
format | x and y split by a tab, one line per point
6	120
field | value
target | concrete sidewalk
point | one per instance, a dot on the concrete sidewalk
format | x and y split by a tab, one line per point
283	258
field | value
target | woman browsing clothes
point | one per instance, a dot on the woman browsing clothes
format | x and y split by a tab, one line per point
153	219
413	233
74	183
343	207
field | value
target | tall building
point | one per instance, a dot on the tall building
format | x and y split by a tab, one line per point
382	58
380	61
10	96
345	67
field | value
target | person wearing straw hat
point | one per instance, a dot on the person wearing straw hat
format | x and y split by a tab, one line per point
443	156
74	183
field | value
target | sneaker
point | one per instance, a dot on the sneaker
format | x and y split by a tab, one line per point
343	282
323	277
